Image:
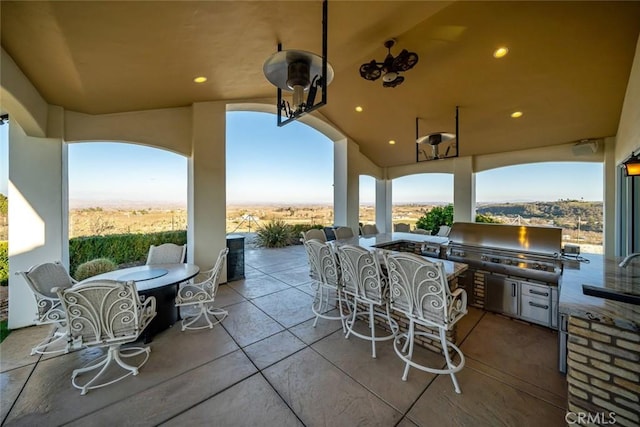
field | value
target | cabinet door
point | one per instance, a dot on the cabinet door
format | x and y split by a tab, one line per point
536	303
502	295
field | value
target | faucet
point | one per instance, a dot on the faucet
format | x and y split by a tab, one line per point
628	259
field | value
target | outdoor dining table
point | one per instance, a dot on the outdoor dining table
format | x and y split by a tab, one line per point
160	281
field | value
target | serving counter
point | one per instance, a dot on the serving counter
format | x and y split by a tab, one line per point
600	339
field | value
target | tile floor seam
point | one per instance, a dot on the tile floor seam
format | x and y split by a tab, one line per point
500	380
13	404
214	395
360	383
259	371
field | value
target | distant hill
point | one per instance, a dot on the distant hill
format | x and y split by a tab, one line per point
563	213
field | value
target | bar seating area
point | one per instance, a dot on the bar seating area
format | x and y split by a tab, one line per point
266	364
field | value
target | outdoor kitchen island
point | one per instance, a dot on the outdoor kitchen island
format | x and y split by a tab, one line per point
600	341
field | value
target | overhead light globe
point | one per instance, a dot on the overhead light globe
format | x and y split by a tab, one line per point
390	76
285	68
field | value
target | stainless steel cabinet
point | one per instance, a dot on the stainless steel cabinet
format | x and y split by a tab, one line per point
502	294
536	303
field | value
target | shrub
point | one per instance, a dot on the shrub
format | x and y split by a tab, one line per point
436	217
275	234
487	219
120	248
94	267
4	330
4	263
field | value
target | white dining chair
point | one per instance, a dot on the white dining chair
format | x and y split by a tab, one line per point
369	229
166	253
327	283
364	281
42	279
443	231
343	232
201	295
402	227
420	292
106	313
313	233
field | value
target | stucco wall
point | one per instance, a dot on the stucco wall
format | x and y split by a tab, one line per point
628	138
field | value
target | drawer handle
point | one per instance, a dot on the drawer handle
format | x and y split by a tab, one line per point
544	294
533	304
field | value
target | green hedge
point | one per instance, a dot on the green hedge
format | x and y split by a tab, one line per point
120	248
4	263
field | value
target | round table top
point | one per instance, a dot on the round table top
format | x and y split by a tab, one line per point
152	276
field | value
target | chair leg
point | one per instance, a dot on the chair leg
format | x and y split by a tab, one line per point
351	323
450	365
205	311
114	354
321	304
187	321
373	332
410	354
56	336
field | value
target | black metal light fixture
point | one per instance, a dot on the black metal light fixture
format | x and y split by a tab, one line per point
437	145
390	68
632	165
4	118
300	72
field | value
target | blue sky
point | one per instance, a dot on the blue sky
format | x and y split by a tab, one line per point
292	164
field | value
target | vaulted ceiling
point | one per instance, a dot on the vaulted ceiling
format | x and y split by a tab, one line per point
566	70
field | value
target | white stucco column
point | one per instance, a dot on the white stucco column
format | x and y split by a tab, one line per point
340	160
384	214
207	196
346	184
464	190
37	232
609	176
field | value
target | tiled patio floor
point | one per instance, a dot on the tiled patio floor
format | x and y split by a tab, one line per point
265	365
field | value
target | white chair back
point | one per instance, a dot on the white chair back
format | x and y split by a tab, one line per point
444	231
402	227
167	253
323	262
419	290
105	312
369	229
42	278
314	233
361	273
343	232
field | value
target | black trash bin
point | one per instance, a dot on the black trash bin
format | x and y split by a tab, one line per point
235	258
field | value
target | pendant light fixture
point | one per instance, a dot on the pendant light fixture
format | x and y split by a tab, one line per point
301	72
437	145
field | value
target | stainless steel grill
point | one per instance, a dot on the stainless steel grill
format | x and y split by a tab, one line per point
531	253
513	270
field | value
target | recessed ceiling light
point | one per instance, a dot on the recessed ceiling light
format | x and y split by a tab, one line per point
500	52
516	114
200	79
359	109
391	142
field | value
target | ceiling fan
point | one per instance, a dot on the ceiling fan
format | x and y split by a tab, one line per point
391	68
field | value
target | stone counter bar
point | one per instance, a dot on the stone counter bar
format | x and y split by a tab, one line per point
603	357
415	243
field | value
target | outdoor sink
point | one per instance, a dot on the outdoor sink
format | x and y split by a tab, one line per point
611	294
